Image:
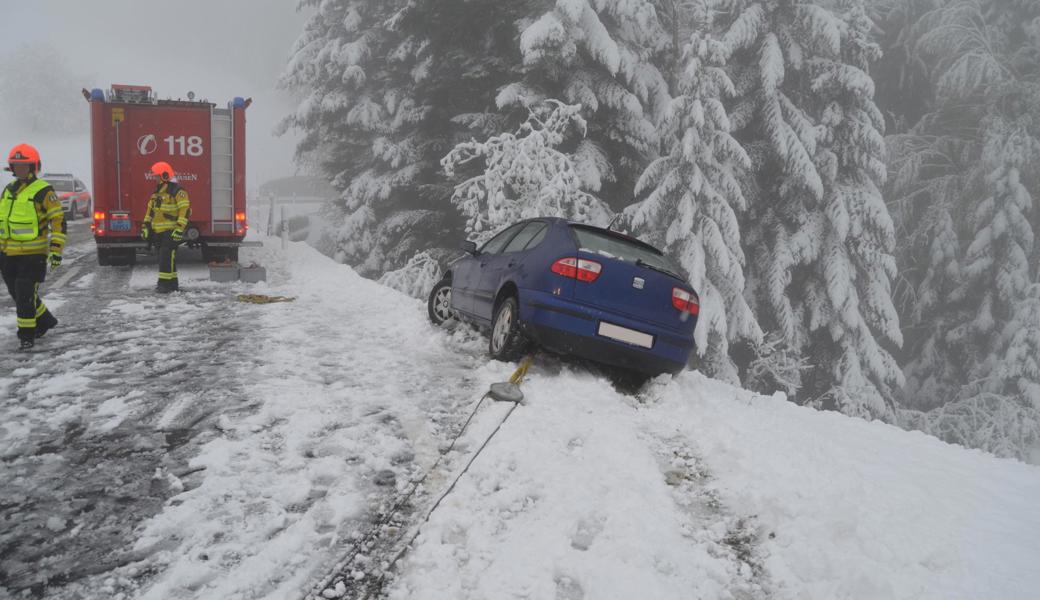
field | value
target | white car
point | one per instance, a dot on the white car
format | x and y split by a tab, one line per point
73	194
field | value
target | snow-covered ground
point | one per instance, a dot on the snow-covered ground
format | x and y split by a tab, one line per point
324	411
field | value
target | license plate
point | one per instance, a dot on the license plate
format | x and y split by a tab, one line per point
119	225
624	334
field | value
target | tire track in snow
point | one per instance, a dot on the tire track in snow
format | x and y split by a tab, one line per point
690	481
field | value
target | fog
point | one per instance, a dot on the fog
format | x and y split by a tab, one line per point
218	49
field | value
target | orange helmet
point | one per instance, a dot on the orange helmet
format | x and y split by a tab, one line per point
163	171
24	154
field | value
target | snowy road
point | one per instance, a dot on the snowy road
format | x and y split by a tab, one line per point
85	421
196	447
123	406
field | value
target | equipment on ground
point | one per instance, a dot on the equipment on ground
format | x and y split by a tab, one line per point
135	138
263	299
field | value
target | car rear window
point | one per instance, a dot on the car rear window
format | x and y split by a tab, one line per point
614	246
61	185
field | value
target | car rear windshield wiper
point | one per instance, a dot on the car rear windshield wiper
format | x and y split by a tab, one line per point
643	263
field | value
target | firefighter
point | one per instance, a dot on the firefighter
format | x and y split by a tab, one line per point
165	220
32	234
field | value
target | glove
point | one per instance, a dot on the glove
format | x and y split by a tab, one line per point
177	234
144	232
55	259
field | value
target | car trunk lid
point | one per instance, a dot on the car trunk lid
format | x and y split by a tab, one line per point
635	280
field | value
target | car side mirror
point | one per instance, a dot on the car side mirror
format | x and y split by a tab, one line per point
469	247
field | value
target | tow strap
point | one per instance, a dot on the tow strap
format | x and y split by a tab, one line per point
506	391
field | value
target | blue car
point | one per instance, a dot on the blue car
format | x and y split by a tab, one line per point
573	289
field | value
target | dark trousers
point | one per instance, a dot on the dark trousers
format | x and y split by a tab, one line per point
23	276
167	260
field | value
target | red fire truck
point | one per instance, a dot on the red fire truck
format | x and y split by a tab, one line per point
130	130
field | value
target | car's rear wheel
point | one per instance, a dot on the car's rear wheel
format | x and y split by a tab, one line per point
507	340
438	305
72	211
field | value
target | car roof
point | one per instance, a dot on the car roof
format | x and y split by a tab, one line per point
58	176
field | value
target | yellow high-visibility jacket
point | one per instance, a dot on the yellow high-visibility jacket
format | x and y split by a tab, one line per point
168	208
31	218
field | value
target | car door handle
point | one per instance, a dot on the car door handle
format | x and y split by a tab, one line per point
512	263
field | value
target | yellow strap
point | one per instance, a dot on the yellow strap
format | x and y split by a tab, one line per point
518	376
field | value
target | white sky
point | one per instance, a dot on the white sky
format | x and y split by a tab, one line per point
217	48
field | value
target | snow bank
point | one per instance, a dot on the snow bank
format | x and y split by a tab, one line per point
691	489
857	509
572	500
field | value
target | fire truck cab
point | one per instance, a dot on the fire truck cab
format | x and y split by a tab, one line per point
131	130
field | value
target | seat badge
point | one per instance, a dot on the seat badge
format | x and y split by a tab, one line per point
638	283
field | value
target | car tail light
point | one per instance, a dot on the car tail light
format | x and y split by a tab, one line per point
99	223
577	268
240	222
686	301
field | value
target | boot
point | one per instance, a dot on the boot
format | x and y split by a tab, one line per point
26	344
43	325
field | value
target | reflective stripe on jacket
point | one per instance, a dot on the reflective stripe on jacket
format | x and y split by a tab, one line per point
168	208
31	219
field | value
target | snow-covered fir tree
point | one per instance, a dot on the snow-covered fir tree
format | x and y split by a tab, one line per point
1018	375
818	236
351	104
600	54
693	197
390	86
997	267
524	175
1002	413
965	191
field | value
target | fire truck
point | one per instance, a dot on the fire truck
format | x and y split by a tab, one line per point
130	129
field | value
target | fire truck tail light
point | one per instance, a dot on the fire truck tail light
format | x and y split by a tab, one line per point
99	223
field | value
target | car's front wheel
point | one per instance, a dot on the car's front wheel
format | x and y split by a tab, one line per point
508	343
438	305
